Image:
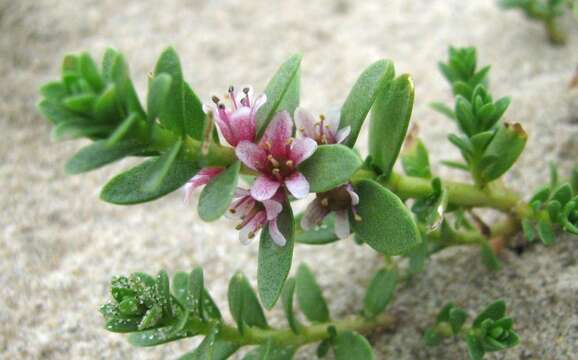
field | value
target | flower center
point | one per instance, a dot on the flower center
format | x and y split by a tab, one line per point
279	167
336	199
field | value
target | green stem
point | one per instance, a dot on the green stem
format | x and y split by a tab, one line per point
306	335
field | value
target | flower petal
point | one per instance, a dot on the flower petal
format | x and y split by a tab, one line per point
248	232
342	224
273	208
297	185
275	234
342	134
332	120
278	133
313	215
242	126
352	194
251	155
264	188
305	123
259	101
302	149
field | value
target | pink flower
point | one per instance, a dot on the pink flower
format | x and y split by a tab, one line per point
324	131
276	158
255	215
340	200
237	123
203	177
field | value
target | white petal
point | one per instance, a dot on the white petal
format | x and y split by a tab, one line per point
302	149
305	123
264	188
342	134
275	234
342	224
297	185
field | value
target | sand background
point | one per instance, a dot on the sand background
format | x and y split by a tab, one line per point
59	244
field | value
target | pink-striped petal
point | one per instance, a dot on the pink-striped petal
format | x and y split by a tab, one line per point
313	215
260	101
302	149
352	194
305	123
278	133
342	134
264	188
242	126
297	185
272	208
342	224
251	155
247	232
275	234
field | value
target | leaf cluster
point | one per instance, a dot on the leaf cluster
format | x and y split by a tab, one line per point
490	331
489	147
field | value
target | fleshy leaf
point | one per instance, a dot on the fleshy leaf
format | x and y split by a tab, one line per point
244	305
99	154
362	97
350	345
386	224
379	292
217	195
287	298
158	90
282	93
310	297
337	160
127	187
274	260
389	122
322	234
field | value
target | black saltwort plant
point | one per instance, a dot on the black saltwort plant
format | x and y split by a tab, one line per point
545	11
284	153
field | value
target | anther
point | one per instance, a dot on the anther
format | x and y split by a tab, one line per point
216	100
357	217
289	164
246	91
231	89
324	202
290	141
272	160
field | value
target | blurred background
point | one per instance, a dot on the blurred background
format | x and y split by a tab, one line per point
59	244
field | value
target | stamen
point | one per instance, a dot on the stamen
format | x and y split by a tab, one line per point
247	99
216	100
267	145
277	173
273	161
302	129
246	91
324	202
289	164
290	141
232	96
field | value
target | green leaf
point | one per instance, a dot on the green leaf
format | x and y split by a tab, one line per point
99	154
195	292
528	229
124	86
488	257
122	131
275	261
107	108
217	195
282	93
268	351
158	90
155	337
362	97
443	109
386	224
337	160
212	348
494	311
159	172
127	187
475	349
310	297
89	71
323	234
350	345
58	114
287	298
181	287
379	292
53	91
575	9
389	122
80	103
244	305
506	146
182	110
546	233
415	160
75	130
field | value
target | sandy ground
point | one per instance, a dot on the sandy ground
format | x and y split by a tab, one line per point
60	244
